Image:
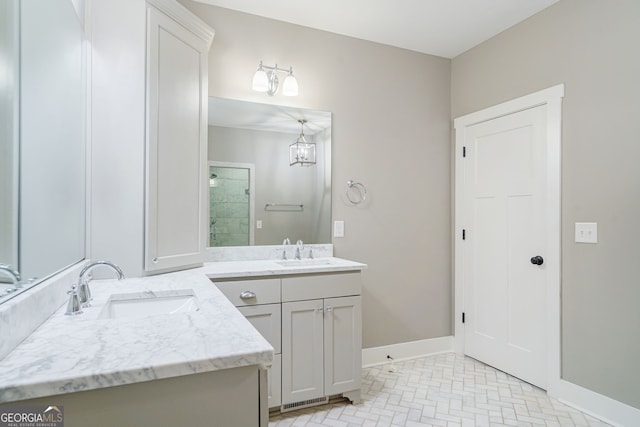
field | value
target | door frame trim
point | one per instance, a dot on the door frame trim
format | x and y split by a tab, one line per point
552	98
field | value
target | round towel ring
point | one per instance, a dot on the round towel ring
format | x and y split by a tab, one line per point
356	192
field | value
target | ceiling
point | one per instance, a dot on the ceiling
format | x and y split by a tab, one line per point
444	28
265	117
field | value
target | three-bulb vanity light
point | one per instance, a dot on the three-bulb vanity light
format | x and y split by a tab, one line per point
266	80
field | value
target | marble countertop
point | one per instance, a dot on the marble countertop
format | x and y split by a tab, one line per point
78	353
231	269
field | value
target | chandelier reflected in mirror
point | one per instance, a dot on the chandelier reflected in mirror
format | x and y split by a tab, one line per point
302	152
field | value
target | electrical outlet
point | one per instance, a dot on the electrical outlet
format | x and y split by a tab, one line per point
338	228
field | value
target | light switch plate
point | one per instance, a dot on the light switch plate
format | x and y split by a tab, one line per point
338	228
259	224
586	232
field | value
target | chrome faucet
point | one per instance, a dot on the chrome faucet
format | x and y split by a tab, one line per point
73	305
15	274
299	249
285	242
84	293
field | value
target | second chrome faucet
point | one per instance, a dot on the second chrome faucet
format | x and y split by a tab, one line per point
84	293
80	294
299	249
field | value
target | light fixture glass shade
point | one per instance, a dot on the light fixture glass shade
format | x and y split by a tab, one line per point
260	81
266	80
302	152
290	86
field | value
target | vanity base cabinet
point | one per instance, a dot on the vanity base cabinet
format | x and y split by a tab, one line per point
228	397
314	323
321	348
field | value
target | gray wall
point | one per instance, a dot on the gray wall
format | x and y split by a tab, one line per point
391	131
592	47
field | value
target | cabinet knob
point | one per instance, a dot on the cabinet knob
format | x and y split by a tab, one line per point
320	310
329	309
247	295
155	260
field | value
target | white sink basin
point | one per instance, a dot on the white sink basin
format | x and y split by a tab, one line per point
304	262
144	304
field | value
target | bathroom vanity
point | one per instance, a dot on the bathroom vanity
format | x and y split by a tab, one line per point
313	320
142	367
202	364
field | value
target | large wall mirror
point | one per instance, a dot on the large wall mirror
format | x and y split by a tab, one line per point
42	140
256	196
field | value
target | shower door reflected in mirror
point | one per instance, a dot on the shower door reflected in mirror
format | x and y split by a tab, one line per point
231	204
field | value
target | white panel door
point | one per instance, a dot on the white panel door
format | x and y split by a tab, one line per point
176	145
504	210
342	344
302	350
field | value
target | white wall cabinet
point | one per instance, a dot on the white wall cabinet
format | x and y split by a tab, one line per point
148	76
176	140
314	323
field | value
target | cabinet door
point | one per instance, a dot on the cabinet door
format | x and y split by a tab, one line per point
274	374
302	351
176	144
266	320
342	344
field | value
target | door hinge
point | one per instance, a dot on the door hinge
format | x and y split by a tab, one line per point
464	151
463	319
464	234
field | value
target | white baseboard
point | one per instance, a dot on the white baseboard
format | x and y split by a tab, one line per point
597	405
406	350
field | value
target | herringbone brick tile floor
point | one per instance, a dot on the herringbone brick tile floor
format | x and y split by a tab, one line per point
444	390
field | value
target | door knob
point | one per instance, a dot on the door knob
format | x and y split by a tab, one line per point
537	260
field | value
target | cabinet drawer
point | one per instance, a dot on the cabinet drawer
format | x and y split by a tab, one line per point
250	292
326	285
